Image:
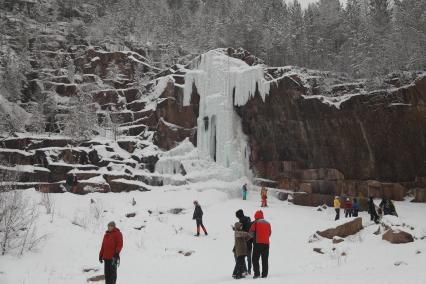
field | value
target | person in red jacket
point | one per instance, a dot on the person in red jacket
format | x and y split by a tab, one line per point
110	252
348	208
261	229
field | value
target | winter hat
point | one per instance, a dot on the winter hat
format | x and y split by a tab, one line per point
195	202
348	199
238	226
258	215
239	214
111	224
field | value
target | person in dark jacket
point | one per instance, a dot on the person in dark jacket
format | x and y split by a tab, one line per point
69	182
387	206
372	211
198	217
110	252
246	222
355	207
261	229
240	249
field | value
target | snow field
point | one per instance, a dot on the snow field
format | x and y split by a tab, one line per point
154	254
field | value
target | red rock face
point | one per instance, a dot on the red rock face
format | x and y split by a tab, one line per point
175	121
379	136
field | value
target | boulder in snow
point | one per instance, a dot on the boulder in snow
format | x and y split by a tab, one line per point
124	185
337	240
283	196
96	278
397	237
318	250
346	229
314	199
419	195
131	215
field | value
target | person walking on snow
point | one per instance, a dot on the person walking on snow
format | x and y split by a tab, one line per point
246	222
240	249
336	205
244	191
348	208
110	252
264	197
198	217
261	230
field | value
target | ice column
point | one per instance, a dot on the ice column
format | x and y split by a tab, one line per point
223	82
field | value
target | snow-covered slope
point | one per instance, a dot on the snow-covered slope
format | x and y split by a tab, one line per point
156	239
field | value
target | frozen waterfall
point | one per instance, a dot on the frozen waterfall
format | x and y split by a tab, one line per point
223	82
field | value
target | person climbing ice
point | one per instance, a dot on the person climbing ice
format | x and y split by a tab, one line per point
198	217
112	245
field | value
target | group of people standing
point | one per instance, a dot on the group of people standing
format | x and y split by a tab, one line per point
251	243
263	195
351	208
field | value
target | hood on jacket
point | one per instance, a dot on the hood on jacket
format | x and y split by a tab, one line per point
238	226
239	214
258	215
114	230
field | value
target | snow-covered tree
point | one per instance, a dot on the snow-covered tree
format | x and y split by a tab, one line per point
81	121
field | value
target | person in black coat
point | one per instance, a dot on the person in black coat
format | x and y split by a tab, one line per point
246	222
387	206
372	211
198	217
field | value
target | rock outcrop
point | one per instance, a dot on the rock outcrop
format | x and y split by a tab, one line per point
366	145
397	237
347	229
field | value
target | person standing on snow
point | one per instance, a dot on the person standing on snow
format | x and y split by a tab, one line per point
355	207
69	182
348	208
372	211
198	217
110	252
246	222
240	249
244	191
336	205
264	197
261	230
387	206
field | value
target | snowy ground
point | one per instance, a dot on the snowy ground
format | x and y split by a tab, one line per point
151	255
